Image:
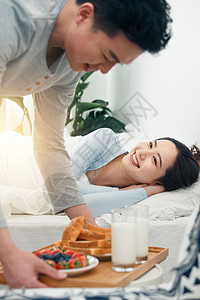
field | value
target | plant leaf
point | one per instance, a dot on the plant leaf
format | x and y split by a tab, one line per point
83	106
86	76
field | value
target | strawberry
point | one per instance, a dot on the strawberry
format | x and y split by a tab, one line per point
55	251
37	253
71	263
45	251
76	254
82	260
69	252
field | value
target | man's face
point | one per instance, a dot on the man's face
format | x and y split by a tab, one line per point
91	50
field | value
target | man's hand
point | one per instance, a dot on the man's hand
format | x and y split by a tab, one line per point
22	268
80	210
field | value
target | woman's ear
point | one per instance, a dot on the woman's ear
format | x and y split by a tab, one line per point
85	12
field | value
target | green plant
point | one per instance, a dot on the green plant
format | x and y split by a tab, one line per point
90	116
19	101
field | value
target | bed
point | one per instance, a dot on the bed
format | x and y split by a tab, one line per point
32	224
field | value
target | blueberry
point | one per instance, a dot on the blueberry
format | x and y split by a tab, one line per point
67	257
51	257
45	256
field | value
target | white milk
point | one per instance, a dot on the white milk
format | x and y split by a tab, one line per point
142	237
123	243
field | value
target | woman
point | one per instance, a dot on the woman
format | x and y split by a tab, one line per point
164	161
149	168
112	177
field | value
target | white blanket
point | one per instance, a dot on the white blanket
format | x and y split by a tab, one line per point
22	190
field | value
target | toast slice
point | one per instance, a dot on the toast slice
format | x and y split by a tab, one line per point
88	235
104	243
97	229
73	229
89	251
83	244
90	244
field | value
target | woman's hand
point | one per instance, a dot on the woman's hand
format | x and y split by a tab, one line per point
154	189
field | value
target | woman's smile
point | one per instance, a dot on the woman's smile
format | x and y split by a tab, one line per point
134	160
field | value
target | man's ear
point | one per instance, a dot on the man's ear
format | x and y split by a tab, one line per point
85	11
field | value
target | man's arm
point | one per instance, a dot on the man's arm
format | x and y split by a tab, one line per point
51	155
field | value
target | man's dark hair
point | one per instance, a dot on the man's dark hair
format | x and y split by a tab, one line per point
185	170
144	22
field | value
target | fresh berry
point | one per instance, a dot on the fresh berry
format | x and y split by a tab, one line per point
71	263
69	252
50	263
46	251
67	257
76	254
55	251
77	264
45	256
37	253
62	265
82	261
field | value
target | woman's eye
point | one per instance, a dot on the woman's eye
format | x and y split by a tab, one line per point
106	59
150	145
155	160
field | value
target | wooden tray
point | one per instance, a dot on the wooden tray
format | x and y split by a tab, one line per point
103	275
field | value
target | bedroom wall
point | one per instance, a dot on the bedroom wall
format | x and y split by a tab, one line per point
160	93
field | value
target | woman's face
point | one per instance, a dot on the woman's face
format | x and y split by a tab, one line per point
149	161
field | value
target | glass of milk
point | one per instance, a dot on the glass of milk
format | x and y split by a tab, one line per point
123	228
142	232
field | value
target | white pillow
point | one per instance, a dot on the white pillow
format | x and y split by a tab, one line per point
166	206
173	205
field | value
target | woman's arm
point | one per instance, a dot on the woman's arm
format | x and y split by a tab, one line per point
102	203
86	188
150	189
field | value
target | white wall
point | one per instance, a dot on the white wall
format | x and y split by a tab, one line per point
168	83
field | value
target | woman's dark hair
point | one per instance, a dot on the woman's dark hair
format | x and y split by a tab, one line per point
144	22
185	170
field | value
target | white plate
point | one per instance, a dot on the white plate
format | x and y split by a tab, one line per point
93	262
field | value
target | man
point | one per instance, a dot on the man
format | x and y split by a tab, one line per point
44	47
